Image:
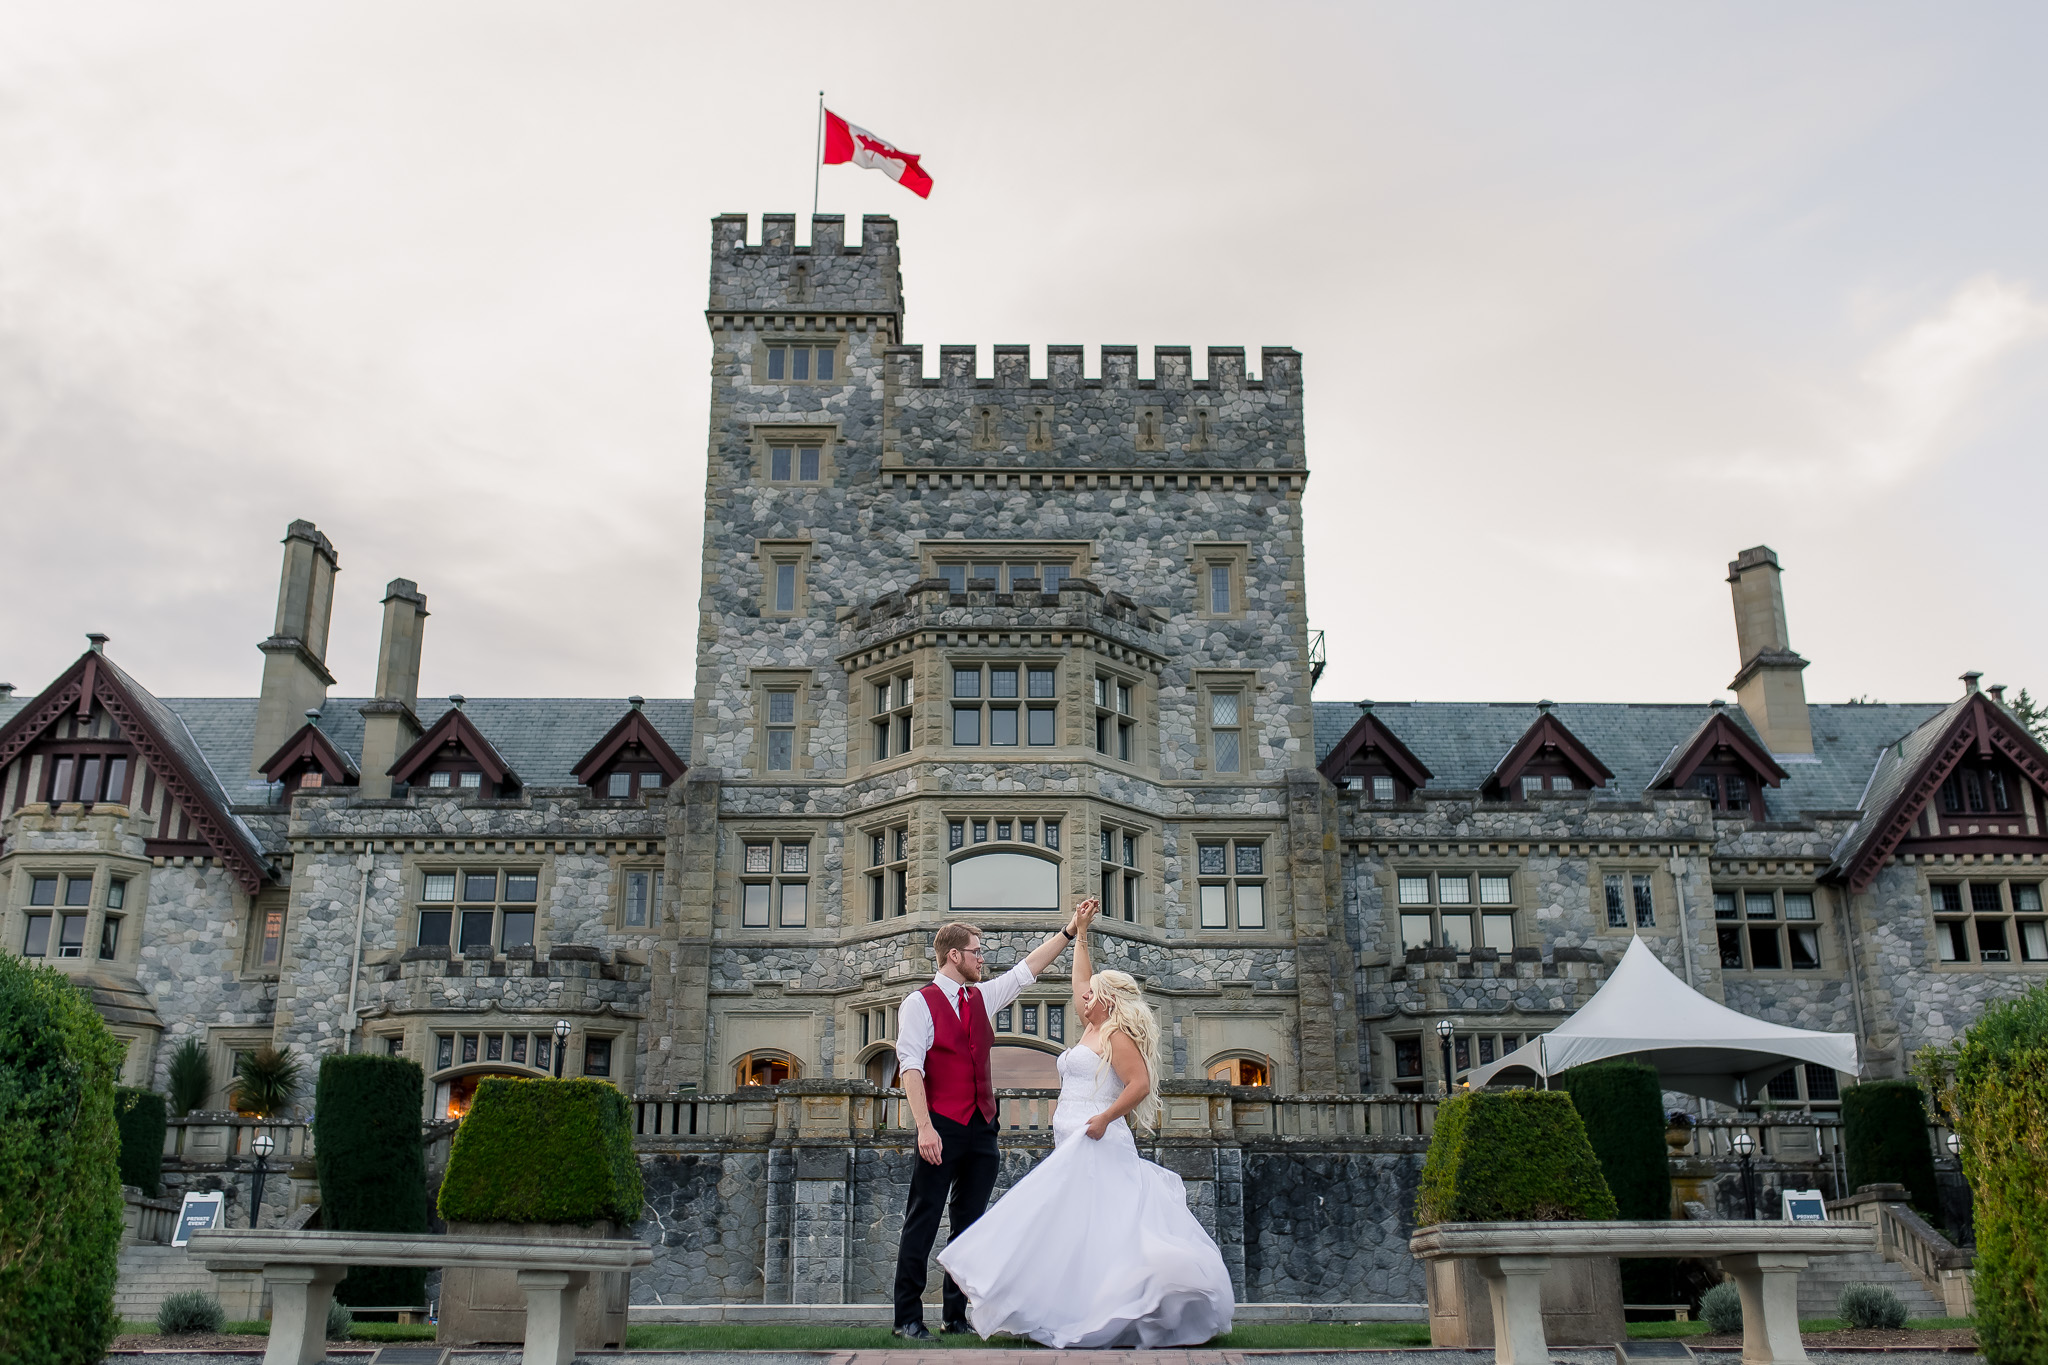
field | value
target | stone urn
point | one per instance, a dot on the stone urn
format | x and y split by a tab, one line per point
1678	1137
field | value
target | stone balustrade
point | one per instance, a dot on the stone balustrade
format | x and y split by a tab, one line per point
1907	1238
208	1137
146	1221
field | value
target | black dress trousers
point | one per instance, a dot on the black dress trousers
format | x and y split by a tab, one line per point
969	1161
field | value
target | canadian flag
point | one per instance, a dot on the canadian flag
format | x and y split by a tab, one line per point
844	142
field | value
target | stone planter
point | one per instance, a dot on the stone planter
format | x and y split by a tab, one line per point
488	1305
1581	1303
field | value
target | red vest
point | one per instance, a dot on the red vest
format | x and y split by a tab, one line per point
957	1081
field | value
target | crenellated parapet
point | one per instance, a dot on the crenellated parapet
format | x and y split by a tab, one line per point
961	417
777	277
929	613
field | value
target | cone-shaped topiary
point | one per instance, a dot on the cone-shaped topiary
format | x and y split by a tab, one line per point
372	1165
543	1152
140	1114
60	1178
1511	1156
1884	1137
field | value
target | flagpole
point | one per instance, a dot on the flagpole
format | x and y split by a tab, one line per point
818	155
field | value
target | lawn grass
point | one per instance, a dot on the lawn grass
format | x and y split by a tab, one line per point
364	1331
1257	1336
1659	1330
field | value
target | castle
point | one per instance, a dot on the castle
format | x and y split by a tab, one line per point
975	646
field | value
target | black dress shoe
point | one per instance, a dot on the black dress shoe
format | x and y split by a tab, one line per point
957	1328
914	1331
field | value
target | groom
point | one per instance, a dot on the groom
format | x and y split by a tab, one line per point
943	1033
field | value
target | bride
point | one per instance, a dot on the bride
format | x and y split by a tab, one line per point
1096	1247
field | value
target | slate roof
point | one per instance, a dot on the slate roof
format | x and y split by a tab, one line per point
1461	741
540	737
1892	770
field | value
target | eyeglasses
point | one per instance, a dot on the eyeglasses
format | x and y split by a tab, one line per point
970	952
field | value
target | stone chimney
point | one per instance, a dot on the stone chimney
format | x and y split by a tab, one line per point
295	676
1768	686
389	725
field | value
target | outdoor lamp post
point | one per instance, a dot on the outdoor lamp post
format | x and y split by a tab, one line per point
1744	1146
264	1145
1444	1029
1955	1145
561	1041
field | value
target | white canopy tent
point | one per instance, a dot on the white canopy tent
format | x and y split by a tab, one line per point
1698	1047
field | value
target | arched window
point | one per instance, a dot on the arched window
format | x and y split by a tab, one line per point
766	1067
1023	1068
1003	881
881	1068
1243	1068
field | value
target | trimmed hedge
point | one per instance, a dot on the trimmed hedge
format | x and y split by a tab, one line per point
1993	1087
1511	1156
60	1180
372	1164
543	1152
140	1115
1884	1137
1622	1104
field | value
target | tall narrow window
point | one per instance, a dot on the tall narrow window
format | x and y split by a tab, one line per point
272	950
1646	909
643	894
1219	589
781	730
785	586
1226	738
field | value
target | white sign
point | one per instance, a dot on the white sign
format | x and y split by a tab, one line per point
199	1212
1805	1206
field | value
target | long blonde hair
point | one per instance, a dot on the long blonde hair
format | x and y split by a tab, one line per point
1132	1017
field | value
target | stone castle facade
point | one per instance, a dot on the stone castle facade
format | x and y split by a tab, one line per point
975	646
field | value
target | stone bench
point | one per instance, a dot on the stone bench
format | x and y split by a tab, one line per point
1764	1260
302	1268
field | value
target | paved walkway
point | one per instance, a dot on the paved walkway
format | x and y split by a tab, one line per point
351	1355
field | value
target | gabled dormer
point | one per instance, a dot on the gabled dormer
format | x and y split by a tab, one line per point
309	761
97	741
1547	758
631	759
1722	762
1372	761
1970	781
453	758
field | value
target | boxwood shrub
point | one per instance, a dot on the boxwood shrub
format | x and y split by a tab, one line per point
1993	1087
372	1165
1884	1136
543	1152
1511	1156
140	1115
60	1171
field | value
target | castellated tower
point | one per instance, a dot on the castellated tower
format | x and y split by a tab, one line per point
975	647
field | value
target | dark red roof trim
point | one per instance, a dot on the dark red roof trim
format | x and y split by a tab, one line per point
309	742
453	725
633	728
1547	733
1371	733
1720	731
86	682
1982	727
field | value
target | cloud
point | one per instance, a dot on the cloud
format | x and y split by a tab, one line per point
1922	389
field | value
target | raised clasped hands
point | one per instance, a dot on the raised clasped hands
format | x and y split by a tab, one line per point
1086	911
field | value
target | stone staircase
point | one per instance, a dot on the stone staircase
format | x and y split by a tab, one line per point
1820	1285
150	1274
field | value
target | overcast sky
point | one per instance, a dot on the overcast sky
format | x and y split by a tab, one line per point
1590	298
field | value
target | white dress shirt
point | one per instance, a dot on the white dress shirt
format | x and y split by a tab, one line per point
914	1031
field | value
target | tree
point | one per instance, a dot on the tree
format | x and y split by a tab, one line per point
266	1081
2032	714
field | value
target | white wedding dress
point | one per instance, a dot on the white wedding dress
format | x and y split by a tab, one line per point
1096	1246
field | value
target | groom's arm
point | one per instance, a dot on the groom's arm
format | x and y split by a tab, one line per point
913	1040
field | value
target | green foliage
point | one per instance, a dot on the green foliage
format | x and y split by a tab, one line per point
140	1114
1992	1087
543	1152
2033	714
1870	1305
190	1311
1511	1156
340	1322
1721	1307
267	1081
190	1077
60	1181
372	1164
1622	1104
1884	1133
